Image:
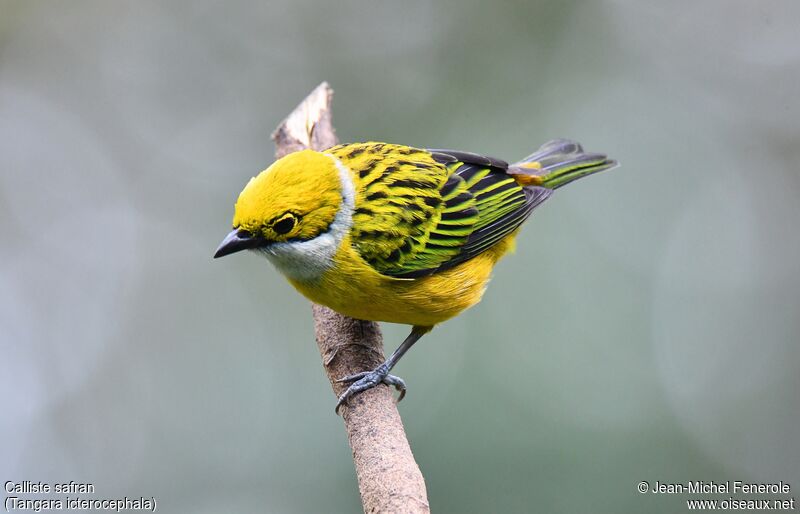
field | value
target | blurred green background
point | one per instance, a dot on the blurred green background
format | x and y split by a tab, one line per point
646	329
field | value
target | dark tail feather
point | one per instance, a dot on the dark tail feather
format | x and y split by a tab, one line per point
560	162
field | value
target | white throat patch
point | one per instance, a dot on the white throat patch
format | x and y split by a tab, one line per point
306	261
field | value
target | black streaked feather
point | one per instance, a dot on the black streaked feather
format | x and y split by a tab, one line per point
442	157
433	211
483	238
377	195
468	171
471	158
481	190
432	201
457	200
356	151
418	184
460	215
452	183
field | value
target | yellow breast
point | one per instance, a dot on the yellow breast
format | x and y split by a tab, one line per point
354	289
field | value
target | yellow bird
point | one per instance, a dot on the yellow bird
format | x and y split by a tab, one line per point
386	232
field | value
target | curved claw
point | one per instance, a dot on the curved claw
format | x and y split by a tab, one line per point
367	380
398	383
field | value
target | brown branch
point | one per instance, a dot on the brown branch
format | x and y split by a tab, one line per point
388	477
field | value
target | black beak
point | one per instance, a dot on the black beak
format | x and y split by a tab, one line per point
237	241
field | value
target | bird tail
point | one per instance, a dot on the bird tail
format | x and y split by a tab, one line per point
558	163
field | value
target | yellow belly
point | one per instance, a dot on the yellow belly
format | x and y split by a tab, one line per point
354	289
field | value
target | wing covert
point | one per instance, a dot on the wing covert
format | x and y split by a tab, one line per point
422	211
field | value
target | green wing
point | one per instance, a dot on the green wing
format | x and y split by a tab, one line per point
422	211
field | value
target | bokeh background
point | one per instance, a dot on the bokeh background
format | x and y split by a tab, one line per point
646	329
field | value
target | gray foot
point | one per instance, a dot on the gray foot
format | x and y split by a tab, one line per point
367	380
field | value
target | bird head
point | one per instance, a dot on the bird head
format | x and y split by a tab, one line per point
295	200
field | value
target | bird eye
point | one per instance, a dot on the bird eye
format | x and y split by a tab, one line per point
285	224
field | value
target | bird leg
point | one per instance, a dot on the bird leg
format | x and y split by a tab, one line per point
369	379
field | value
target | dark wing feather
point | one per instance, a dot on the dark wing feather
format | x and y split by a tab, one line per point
484	238
502	205
452	156
422	211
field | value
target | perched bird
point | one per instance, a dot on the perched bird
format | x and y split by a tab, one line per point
385	232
